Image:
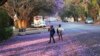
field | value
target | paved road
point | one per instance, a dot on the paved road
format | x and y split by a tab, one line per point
79	40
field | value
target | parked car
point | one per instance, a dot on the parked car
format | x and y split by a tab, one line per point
40	24
68	19
65	19
89	20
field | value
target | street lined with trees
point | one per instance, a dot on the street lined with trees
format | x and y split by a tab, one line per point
79	39
22	12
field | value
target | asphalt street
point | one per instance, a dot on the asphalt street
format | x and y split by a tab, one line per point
79	40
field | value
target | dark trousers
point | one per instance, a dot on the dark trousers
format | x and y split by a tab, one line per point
52	38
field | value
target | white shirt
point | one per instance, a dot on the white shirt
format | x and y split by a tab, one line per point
60	29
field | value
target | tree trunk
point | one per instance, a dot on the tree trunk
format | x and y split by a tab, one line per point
93	12
21	23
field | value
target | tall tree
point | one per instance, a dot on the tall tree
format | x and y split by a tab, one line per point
27	9
93	9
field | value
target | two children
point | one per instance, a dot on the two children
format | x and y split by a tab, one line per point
52	32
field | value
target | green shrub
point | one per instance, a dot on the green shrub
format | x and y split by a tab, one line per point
5	33
5	28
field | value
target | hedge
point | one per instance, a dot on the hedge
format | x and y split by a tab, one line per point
5	27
